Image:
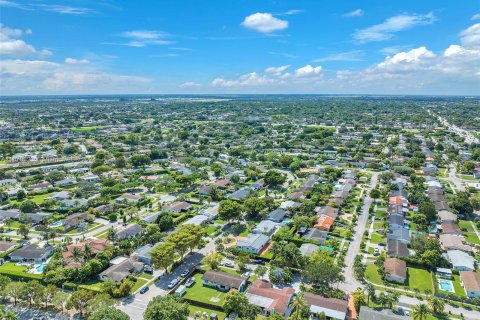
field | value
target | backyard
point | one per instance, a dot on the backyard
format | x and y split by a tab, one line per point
200	293
421	279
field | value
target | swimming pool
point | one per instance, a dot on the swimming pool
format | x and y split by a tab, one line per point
446	285
56	224
40	267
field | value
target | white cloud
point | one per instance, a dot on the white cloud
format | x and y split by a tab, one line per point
355	13
470	37
277	70
308	72
387	29
407	58
475	16
264	22
76	61
11	45
293	11
143	38
354	55
189	84
66	9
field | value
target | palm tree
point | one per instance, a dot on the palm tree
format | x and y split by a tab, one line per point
392	299
298	303
437	305
420	312
76	254
87	251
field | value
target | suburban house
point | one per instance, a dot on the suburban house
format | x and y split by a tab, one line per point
307	249
266	227
180	206
401	234
277	215
395	221
460	260
6	246
327	211
335	309
130	231
471	283
41	186
128	197
253	244
315	234
395	270
262	294
72	221
396	248
450	227
120	269
197	220
151	218
324	223
32	253
142	254
96	246
454	242
223	281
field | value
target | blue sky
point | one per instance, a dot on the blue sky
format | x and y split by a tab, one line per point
227	46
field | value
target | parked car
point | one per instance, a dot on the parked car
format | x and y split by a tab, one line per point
185	273
376	252
229	264
148	269
143	290
382	244
190	282
173	283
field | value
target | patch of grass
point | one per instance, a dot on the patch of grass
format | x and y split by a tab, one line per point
193	309
199	292
470	234
145	275
138	284
95	285
18	272
417	279
377	238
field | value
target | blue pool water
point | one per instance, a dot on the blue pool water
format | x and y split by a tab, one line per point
40	267
446	285
326	248
56	224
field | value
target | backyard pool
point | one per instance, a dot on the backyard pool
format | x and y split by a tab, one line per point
446	285
56	224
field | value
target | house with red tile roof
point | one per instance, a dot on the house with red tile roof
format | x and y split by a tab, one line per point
324	223
262	294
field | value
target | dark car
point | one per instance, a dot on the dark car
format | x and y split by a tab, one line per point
143	290
185	273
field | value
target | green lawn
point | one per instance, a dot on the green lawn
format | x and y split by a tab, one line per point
145	275
95	285
193	309
138	284
377	238
470	234
417	279
198	292
14	271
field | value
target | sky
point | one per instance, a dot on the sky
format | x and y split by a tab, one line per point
240	46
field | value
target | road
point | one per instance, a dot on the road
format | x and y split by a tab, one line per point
351	284
452	176
469	138
136	304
